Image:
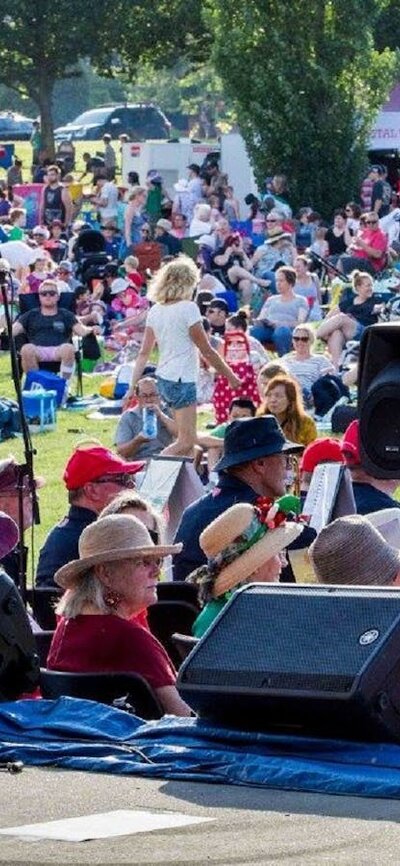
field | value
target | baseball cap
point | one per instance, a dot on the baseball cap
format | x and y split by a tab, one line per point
119	285
65	265
321	451
164	224
89	464
350	445
218	304
206	241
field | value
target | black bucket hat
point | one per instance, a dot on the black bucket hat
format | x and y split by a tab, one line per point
250	438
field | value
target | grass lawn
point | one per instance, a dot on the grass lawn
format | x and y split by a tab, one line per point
23	150
54	448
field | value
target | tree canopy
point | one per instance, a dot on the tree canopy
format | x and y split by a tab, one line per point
306	82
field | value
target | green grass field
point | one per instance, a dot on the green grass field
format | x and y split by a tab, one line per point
24	151
54	448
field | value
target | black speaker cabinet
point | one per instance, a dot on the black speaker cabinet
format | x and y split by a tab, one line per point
379	400
19	662
318	660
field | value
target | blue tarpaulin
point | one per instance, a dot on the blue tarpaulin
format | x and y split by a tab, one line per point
83	735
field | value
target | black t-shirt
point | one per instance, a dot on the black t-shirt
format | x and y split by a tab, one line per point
336	244
48	330
381	191
362	312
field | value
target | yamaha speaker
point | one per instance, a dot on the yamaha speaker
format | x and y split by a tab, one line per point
379	400
313	660
19	663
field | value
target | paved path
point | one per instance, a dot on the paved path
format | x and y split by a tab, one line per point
250	825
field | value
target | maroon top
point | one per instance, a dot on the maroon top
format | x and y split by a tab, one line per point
107	643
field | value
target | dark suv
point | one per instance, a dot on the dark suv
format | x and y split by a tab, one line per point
139	122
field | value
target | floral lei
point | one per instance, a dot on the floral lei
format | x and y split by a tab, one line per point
267	515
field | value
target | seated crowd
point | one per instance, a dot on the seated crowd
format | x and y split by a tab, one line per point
243	320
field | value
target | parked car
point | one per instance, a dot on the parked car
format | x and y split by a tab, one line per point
15	127
139	122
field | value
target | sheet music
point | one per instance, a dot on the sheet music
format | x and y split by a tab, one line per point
320	500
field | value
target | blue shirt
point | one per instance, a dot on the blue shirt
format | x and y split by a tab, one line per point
61	545
199	514
369	499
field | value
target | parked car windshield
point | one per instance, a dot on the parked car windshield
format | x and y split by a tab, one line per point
92	117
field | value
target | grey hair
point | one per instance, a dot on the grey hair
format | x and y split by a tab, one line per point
89	590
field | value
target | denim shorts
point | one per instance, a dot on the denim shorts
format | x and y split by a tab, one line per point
359	331
177	395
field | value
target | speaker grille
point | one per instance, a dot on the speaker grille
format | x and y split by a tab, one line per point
278	638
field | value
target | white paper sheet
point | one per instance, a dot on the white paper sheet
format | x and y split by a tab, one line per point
103	825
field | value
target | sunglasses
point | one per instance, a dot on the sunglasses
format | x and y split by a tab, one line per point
371	222
49	293
301	339
154	536
271	221
123	479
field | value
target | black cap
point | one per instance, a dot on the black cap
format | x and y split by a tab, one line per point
217	304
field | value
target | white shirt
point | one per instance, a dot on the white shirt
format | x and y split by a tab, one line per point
109	193
170	323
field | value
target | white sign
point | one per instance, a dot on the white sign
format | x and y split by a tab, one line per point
386	132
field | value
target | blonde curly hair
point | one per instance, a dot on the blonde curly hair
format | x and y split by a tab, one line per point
174	281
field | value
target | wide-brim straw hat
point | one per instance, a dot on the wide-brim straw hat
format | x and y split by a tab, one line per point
226	529
110	539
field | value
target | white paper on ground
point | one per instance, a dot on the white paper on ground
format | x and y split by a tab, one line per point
103	825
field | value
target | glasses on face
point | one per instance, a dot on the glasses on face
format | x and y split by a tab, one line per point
371	222
301	339
48	293
152	396
150	561
270	221
154	536
122	479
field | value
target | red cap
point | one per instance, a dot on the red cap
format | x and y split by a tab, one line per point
88	464
321	451
350	444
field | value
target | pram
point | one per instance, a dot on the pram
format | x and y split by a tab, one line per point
90	255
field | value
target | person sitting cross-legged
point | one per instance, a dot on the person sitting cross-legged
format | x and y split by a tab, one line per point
281	313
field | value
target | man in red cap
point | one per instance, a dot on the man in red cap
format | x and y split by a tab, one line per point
93	476
370	494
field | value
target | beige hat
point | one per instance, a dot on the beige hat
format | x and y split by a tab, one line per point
237	543
164	224
350	550
109	539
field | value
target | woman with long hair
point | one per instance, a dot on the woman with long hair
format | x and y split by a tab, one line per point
282	398
349	319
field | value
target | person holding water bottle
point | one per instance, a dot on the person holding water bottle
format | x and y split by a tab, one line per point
174	324
147	428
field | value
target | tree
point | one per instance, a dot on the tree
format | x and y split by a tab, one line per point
42	42
306	82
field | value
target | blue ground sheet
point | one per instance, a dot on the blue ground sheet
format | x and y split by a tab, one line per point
83	735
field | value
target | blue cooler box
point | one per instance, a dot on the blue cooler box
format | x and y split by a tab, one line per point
47	382
40	409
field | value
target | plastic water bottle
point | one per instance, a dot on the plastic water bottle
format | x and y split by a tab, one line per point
149	423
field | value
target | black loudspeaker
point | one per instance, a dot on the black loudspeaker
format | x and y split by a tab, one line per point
19	662
379	400
312	660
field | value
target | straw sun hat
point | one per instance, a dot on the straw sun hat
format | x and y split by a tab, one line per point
110	539
238	542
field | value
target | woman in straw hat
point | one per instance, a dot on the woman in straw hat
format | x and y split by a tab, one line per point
242	545
114	579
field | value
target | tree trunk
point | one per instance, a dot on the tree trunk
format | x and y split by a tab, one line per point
45	99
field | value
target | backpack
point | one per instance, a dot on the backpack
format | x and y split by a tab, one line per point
10	422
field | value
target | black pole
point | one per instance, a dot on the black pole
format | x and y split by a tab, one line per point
25	470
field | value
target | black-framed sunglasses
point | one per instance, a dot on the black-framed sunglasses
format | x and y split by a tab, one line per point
301	339
154	536
49	293
123	479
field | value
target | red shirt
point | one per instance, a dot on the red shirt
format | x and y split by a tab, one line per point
107	643
377	239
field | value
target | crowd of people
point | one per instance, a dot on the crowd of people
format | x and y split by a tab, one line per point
246	315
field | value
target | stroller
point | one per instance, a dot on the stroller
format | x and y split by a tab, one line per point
90	255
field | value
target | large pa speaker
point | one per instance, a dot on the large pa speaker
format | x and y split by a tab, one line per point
379	400
19	662
314	660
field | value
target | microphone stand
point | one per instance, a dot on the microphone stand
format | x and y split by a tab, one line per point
25	470
325	263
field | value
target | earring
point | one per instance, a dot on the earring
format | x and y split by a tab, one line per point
112	599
